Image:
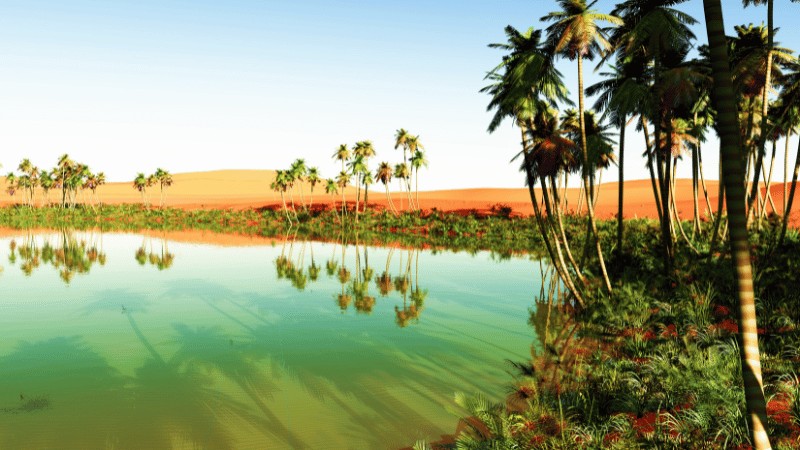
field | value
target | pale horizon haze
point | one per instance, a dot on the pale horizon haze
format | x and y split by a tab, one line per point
128	86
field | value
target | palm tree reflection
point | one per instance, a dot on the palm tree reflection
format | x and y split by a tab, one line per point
161	260
69	256
355	276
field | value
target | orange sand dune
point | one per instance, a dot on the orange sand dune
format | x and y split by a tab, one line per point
243	189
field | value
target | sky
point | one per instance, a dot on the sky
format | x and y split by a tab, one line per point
128	86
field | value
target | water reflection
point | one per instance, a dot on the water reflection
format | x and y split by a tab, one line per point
62	251
161	260
355	276
201	356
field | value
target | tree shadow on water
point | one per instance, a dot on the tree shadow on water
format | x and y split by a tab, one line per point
73	396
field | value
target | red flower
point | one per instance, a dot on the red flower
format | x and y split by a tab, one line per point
721	311
730	326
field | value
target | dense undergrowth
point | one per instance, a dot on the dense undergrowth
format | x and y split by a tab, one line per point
655	364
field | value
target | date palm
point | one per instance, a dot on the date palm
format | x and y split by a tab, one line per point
280	185
140	184
418	161
164	180
65	168
298	172
331	188
576	35
312	176
384	176
342	180
365	150
733	177
401	173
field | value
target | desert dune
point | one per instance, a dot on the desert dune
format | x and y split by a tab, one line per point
244	189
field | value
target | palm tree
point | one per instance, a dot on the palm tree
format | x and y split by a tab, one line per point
733	177
140	184
331	188
312	176
418	161
164	179
575	34
46	181
342	181
384	176
65	167
11	184
357	169
620	95
298	172
526	85
402	174
280	185
660	35
365	151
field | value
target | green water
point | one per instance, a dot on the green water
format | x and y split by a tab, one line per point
203	346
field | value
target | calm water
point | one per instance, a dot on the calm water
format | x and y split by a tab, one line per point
124	341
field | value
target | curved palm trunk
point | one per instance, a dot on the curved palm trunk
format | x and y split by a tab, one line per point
762	139
788	212
587	186
786	169
621	185
703	180
389	199
416	187
734	184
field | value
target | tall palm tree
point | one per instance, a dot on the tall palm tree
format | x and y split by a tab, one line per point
660	34
46	181
312	176
525	86
418	161
733	177
384	176
65	167
298	172
358	168
576	35
164	180
140	184
342	180
331	188
280	185
620	95
11	184
401	173
414	145
365	150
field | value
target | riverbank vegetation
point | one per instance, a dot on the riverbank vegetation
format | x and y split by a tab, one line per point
659	371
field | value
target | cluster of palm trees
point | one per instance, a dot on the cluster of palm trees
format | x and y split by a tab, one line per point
356	171
297	174
160	177
68	176
674	100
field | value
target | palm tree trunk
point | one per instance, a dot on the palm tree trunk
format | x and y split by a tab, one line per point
621	184
703	180
587	187
650	159
786	169
695	189
767	183
788	212
389	199
554	214
734	183
416	187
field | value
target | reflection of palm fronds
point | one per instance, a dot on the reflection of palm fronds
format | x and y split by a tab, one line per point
384	283
401	284
330	267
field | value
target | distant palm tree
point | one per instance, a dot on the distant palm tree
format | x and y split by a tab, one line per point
65	168
402	174
312	176
164	180
298	172
140	184
279	184
46	181
11	184
418	161
384	176
342	181
331	189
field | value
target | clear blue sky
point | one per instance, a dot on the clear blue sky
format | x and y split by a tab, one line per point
128	86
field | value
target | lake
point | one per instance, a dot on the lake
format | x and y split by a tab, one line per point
127	341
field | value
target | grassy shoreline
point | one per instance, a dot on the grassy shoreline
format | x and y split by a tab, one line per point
437	230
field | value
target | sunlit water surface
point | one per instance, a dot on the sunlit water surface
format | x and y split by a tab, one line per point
154	344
